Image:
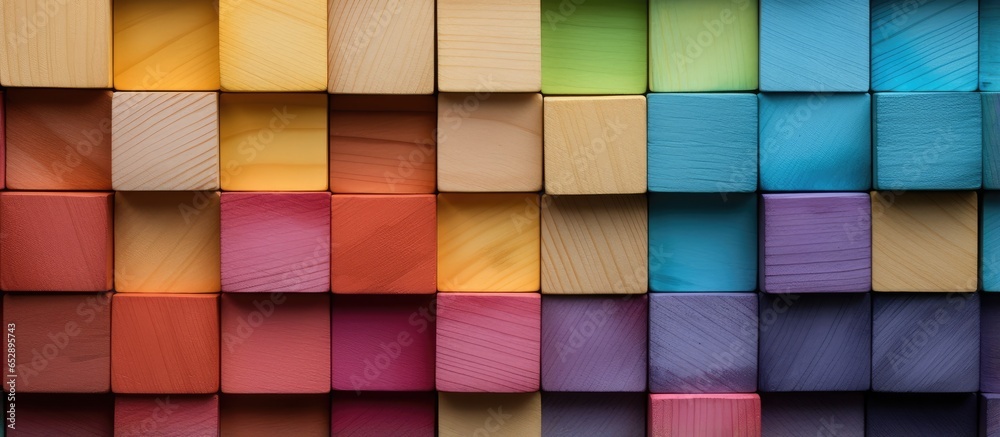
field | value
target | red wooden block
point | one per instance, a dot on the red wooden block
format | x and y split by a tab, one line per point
48	415
680	415
274	415
166	415
384	414
3	146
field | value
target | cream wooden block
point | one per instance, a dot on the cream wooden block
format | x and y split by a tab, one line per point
381	47
163	141
595	145
489	41
56	43
493	414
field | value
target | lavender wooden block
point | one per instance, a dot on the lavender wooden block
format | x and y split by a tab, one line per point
593	414
989	415
989	363
921	415
812	414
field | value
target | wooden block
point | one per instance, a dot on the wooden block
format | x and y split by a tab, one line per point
989	414
83	415
704	414
383	144
594	244
412	414
812	414
925	342
488	242
891	415
275	343
381	47
167	242
165	343
702	142
574	414
272	45
594	48
275	242
489	144
815	243
702	343
703	46
57	44
989	343
702	242
906	257
270	415
273	142
137	416
493	414
837	128
166	45
991	139
3	159
384	244
989	244
55	241
488	342
595	145
58	139
928	46
179	130
927	141
989	47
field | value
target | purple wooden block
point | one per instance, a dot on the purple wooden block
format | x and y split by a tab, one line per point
989	415
989	363
815	342
925	342
594	343
815	243
593	414
812	414
917	415
702	343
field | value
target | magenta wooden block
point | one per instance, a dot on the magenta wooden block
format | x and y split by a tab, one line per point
488	342
989	415
676	415
383	343
48	415
568	414
920	415
989	350
384	414
812	414
275	242
174	415
594	343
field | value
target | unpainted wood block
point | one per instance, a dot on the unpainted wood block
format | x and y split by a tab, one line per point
274	414
991	139
812	414
494	414
374	413
896	414
143	415
83	415
574	414
989	414
989	343
706	414
989	47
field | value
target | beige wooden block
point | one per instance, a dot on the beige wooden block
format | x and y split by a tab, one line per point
595	145
164	141
924	241
381	47
489	144
476	414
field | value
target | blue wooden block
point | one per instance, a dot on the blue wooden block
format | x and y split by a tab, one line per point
815	342
812	414
927	141
991	139
925	45
921	415
815	142
814	46
989	415
593	414
925	342
703	343
989	45
702	142
702	242
989	269
989	344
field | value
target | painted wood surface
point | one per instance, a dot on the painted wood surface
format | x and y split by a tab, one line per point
989	343
270	415
890	415
494	414
989	414
812	414
991	139
574	414
989	243
143	415
3	148
373	413
704	414
989	45
83	415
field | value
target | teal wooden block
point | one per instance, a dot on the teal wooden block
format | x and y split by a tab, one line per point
990	242
991	140
989	45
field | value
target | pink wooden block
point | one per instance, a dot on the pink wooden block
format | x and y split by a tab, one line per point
683	415
196	416
384	414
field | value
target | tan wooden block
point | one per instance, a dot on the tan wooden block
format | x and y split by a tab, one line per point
493	414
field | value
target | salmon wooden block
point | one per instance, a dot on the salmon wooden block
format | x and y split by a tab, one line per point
812	414
704	414
382	414
143	415
271	415
494	414
892	415
618	414
83	415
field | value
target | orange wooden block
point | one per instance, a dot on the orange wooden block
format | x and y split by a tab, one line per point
273	415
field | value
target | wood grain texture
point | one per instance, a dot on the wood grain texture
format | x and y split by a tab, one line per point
491	144
384	414
138	415
498	414
991	139
381	47
44	415
891	415
3	148
575	414
989	244
924	241
704	415
165	141
595	145
56	241
270	415
812	414
989	343
989	415
488	342
989	48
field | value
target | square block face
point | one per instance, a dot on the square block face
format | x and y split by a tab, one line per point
594	244
166	45
488	242
384	244
702	142
812	414
930	46
906	257
989	414
374	413
595	145
275	343
39	227
137	416
83	415
491	143
703	343
816	243
991	139
574	414
594	48
165	141
273	142
464	414
255	259
471	326
891	415
702	46
706	414
990	243
815	142
167	242
264	415
925	343
989	343
383	144
162	343
58	139
702	242
927	141
989	50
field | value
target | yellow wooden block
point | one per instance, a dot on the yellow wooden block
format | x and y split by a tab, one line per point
924	241
381	47
488	242
273	142
56	43
476	414
595	145
166	45
272	45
